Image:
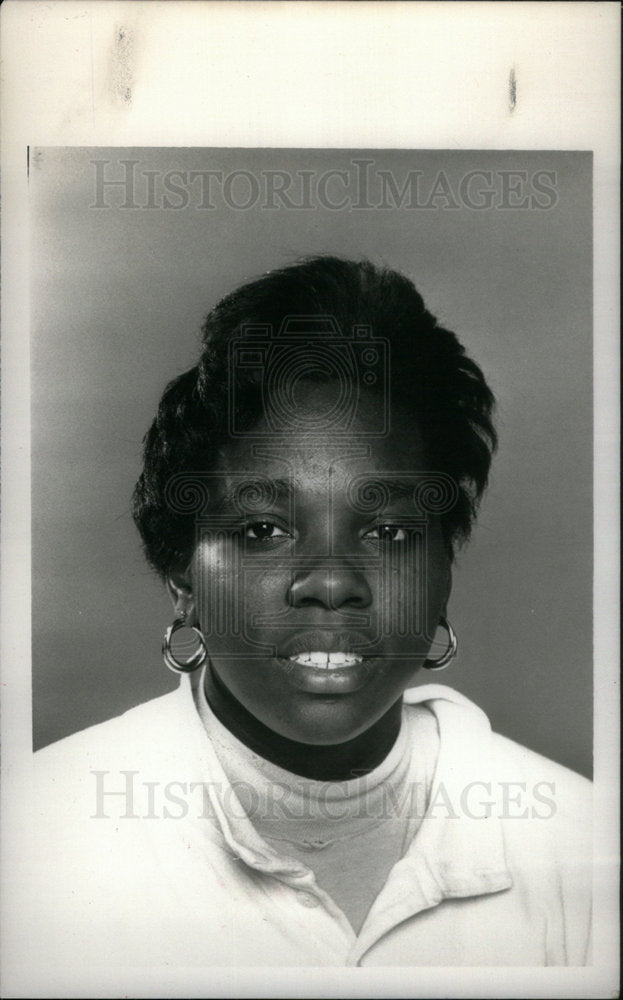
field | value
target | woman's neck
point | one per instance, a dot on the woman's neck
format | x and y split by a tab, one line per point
339	762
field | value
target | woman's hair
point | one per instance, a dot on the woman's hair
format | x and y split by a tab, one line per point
429	374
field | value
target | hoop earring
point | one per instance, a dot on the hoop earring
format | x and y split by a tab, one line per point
450	652
198	657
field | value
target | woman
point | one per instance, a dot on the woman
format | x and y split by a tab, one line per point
298	801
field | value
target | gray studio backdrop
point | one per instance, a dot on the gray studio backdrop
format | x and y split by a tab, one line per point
498	243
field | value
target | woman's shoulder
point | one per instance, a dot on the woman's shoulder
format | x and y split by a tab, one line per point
543	808
115	738
465	731
536	766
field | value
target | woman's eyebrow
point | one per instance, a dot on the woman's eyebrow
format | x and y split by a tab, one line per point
388	489
261	492
255	493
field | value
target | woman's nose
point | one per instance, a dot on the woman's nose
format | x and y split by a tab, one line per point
330	586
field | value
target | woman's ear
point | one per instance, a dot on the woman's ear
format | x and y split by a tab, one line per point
180	589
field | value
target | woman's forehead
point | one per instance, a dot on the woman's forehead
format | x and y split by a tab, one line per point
290	473
305	457
315	434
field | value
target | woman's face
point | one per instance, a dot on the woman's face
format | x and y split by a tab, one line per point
318	597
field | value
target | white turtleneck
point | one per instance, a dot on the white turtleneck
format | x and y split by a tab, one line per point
349	833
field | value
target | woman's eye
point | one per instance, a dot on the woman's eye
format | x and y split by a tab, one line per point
261	531
387	533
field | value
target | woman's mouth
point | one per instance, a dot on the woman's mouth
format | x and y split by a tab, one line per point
329	674
326	661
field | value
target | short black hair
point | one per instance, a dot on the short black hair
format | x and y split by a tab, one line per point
429	372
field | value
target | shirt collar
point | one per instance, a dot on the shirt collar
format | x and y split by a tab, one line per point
456	852
461	835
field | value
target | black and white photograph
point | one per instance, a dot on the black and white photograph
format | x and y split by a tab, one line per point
315	549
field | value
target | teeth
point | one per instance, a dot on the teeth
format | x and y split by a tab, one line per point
327	660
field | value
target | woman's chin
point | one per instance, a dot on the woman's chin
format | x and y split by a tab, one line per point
323	720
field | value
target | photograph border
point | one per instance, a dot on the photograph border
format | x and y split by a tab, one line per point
533	75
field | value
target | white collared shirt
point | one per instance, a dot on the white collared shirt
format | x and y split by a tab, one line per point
143	855
350	832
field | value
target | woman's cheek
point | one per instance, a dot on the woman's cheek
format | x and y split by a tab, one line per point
213	557
216	579
261	594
